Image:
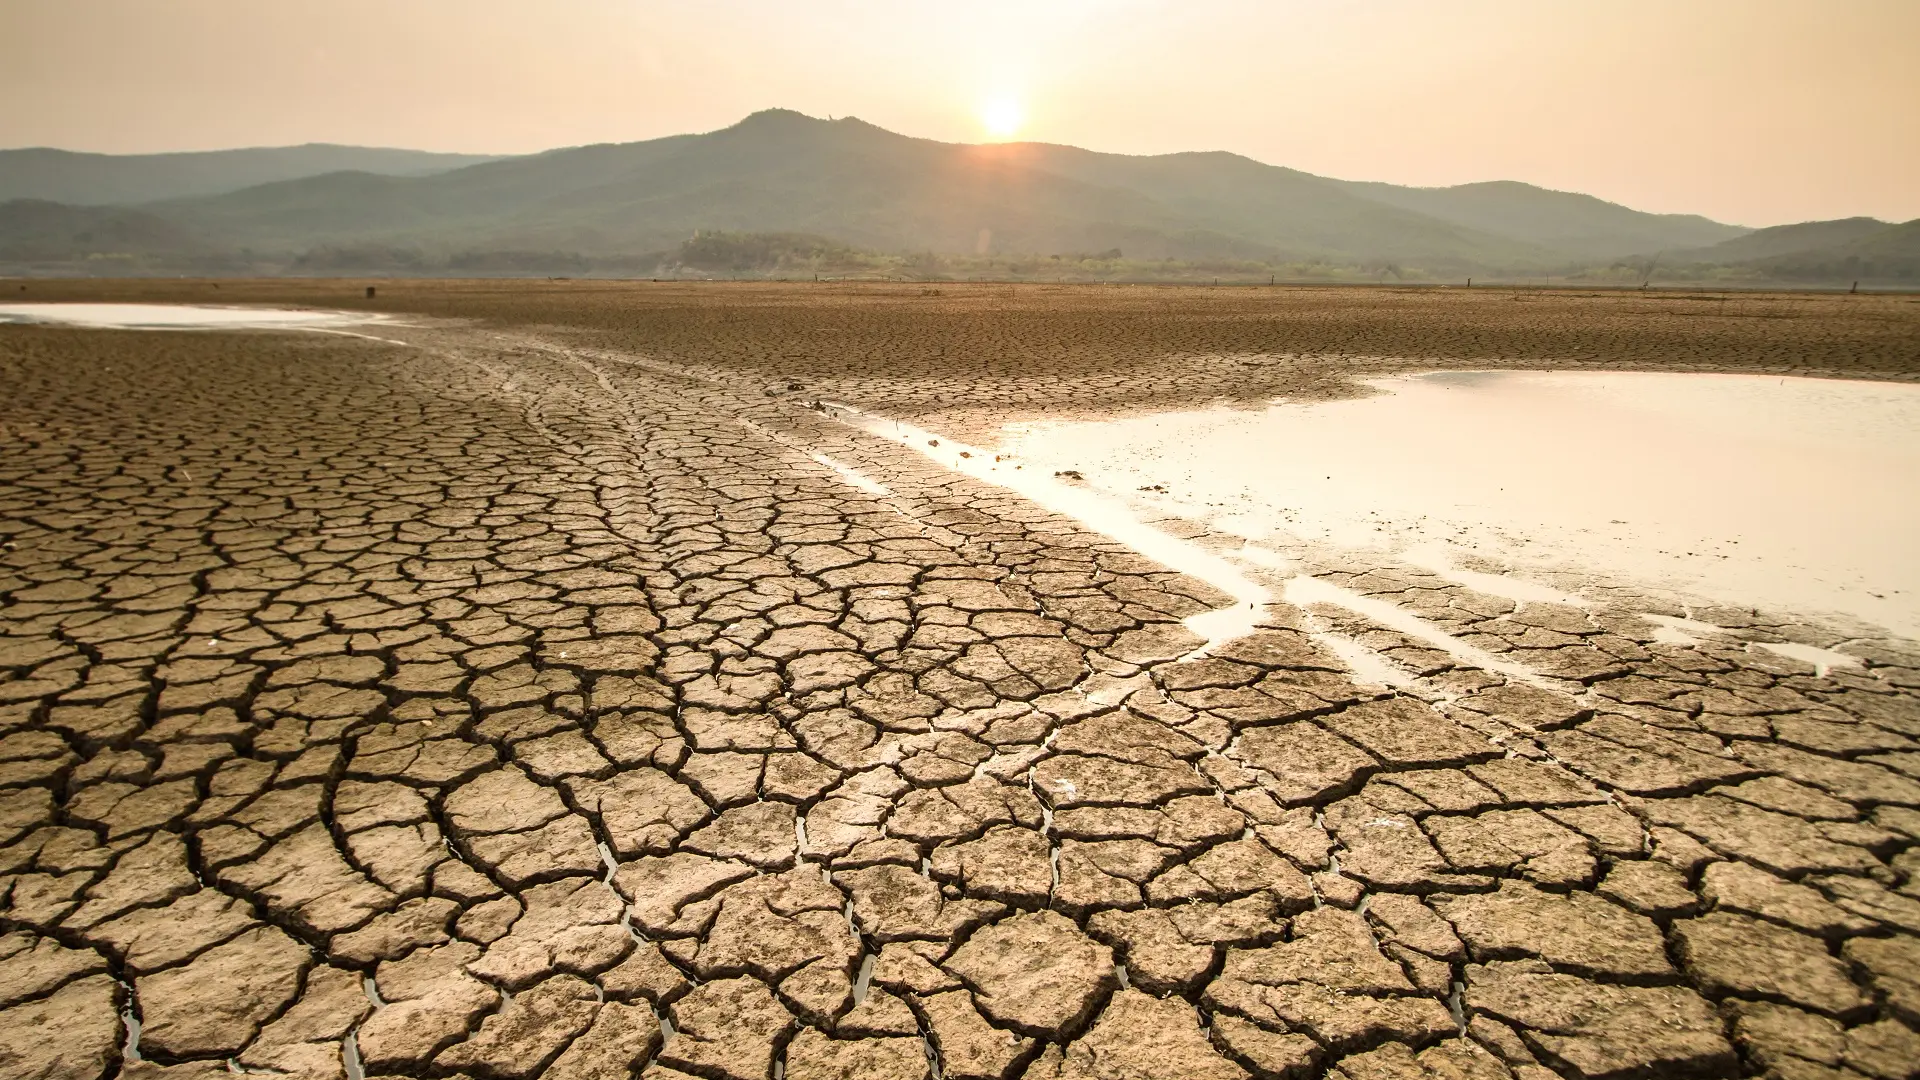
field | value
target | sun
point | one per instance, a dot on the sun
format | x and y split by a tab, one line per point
1002	117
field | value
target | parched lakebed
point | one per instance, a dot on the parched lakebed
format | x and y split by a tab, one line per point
581	680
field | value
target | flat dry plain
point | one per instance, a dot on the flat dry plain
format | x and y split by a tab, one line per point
530	699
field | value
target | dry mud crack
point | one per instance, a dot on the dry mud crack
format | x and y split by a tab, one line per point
505	706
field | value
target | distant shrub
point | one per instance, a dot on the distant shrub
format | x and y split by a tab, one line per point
744	251
368	257
546	262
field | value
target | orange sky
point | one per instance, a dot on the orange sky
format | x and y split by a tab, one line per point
1757	112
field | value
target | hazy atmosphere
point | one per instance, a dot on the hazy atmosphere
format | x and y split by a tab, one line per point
1751	112
981	540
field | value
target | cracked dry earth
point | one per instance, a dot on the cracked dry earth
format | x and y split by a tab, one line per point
485	707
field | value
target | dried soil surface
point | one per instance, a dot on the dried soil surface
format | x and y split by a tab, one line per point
543	697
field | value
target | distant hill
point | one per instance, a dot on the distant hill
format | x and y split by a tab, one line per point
1231	204
1787	240
781	172
847	182
106	179
1579	226
1832	252
1885	254
34	230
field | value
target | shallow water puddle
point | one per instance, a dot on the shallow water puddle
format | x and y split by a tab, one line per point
1786	493
1822	660
1438	558
1304	591
1098	511
852	476
1672	630
1367	666
185	317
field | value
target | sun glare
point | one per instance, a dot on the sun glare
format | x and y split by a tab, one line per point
1002	117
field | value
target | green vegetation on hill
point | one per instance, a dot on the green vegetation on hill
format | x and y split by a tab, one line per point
763	252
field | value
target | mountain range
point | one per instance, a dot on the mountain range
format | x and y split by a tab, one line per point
852	184
107	179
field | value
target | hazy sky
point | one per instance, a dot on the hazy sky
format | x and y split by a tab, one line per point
1751	111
